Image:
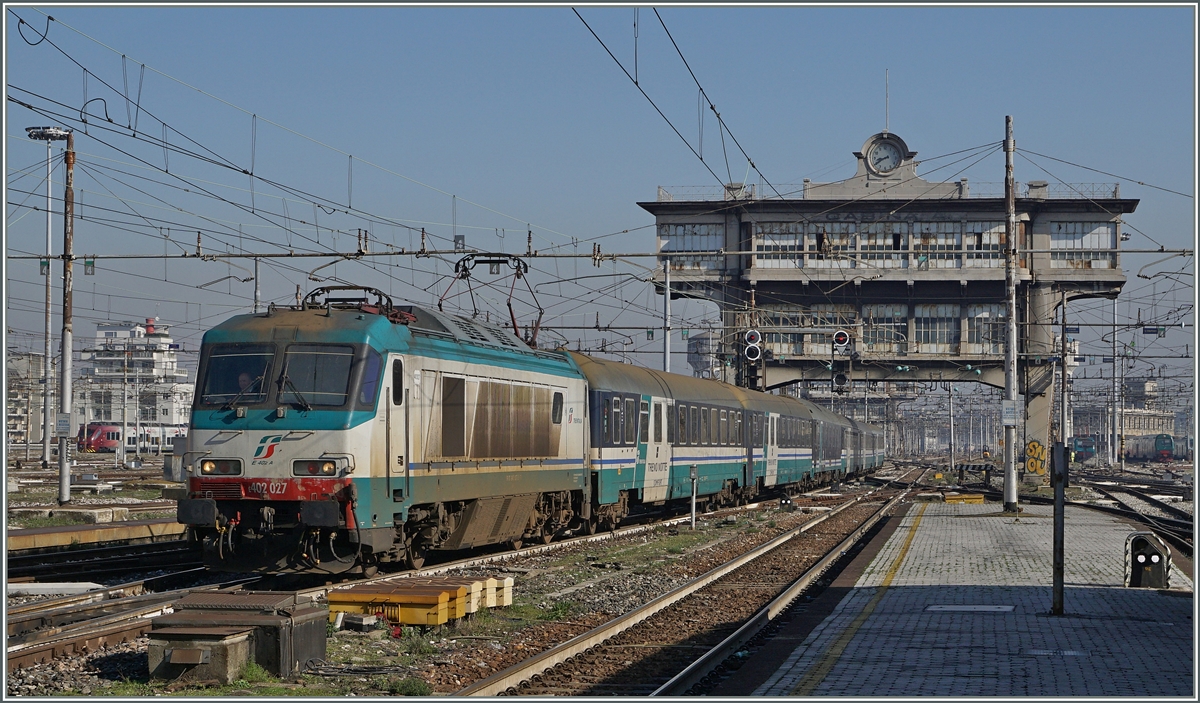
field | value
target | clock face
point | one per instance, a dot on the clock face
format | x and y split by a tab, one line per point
884	157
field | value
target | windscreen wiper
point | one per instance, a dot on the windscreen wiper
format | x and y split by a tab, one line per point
285	380
240	393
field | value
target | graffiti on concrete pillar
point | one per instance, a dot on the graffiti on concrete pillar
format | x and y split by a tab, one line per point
1036	457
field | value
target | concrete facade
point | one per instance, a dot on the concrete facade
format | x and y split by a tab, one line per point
913	269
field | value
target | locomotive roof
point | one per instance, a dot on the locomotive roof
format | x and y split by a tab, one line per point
408	328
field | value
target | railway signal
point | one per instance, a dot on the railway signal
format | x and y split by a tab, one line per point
841	339
752	352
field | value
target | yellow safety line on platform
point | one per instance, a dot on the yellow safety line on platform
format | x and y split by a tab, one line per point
824	665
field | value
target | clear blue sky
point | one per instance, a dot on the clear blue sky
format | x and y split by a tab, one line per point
522	117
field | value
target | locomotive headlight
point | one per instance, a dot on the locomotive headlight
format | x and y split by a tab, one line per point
221	467
314	467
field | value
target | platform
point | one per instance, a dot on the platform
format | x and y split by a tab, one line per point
131	531
954	600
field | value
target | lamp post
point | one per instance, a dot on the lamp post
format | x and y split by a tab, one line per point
52	134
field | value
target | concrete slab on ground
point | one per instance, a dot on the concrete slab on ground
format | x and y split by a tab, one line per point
957	603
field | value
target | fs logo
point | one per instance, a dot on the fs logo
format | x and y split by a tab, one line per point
266	446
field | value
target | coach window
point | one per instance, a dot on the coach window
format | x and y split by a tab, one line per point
631	418
397	382
644	422
670	424
658	417
773	434
683	425
724	437
694	425
616	420
704	436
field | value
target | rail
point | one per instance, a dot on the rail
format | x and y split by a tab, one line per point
525	670
710	660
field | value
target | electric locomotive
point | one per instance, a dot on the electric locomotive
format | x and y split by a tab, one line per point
346	433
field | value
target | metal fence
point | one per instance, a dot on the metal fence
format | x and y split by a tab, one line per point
979	189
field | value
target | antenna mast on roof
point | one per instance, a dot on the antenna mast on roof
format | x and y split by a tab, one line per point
886	101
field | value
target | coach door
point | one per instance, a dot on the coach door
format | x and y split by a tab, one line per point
772	448
397	449
658	453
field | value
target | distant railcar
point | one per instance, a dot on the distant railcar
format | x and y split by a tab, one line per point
1084	447
1153	447
345	433
144	438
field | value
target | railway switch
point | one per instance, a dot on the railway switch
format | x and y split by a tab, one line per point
1147	561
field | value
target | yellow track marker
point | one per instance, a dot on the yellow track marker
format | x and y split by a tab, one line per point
824	665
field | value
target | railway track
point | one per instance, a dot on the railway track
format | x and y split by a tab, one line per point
51	629
104	562
1167	510
74	625
668	645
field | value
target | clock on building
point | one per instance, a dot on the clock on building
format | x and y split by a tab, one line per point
884	156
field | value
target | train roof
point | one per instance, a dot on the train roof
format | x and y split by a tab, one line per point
608	375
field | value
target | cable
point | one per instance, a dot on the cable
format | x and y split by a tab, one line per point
645	95
1106	173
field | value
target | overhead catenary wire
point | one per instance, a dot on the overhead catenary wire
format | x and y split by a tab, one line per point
257	118
372	262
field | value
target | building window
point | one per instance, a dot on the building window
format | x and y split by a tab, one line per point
830	315
782	335
692	237
937	328
936	245
885	327
983	241
830	245
884	244
778	244
1077	243
986	329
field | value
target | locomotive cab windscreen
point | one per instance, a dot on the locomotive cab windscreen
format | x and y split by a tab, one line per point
304	376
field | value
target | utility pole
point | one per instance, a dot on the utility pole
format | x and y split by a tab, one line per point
64	389
47	134
1010	346
1121	407
950	394
256	287
124	404
667	315
1058	473
1112	446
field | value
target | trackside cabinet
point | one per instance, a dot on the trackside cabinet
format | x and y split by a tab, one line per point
1147	561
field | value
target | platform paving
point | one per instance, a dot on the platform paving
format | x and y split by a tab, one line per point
957	601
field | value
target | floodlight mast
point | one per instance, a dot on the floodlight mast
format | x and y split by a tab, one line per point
48	135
